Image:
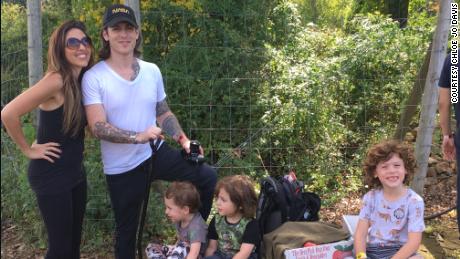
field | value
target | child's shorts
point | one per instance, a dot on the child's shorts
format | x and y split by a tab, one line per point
382	251
157	251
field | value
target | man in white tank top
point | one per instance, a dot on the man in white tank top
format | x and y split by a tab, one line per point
124	98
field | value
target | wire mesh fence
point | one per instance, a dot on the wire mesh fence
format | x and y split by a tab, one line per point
311	103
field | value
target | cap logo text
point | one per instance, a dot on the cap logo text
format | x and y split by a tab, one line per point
120	10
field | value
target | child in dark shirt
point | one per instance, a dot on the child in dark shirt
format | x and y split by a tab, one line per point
233	232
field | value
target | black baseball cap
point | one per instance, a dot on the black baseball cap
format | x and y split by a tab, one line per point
119	13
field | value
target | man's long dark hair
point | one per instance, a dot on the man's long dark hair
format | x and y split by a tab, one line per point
104	51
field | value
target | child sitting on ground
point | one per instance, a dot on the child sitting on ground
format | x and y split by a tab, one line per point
391	216
182	202
233	232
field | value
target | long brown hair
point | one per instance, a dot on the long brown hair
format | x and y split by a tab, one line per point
74	116
240	188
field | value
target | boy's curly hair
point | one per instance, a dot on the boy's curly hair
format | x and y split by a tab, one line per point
383	152
240	188
184	194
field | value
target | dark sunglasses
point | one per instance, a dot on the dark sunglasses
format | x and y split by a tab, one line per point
74	43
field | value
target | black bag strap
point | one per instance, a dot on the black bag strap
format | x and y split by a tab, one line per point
261	201
140	250
268	199
262	207
286	202
277	194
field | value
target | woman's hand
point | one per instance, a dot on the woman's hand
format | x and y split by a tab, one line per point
49	151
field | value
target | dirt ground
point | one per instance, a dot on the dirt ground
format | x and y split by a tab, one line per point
440	240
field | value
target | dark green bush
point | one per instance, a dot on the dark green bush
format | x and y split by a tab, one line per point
329	93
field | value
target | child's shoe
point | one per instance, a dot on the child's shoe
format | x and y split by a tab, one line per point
155	251
179	251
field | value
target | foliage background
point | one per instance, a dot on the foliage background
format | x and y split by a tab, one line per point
266	86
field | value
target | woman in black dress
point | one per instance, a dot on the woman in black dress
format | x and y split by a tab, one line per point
55	171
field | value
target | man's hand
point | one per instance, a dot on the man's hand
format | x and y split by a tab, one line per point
185	143
448	147
149	134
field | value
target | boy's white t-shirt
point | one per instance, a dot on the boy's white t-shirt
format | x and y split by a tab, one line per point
128	105
390	222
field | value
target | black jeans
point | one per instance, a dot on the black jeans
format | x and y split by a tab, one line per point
63	216
127	192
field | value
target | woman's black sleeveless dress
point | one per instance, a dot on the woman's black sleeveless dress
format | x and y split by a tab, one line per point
67	171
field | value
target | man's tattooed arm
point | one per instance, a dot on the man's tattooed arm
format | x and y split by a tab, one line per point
168	121
105	131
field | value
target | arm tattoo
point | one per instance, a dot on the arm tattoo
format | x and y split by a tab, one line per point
105	131
135	66
162	108
171	126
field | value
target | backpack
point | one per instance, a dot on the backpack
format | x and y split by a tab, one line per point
282	199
